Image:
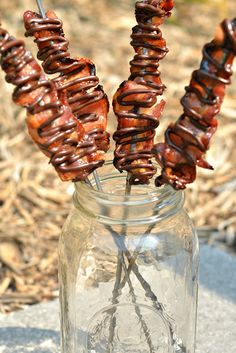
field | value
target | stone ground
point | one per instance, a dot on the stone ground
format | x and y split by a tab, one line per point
36	329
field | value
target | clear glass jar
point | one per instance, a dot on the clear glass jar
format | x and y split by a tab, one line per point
128	270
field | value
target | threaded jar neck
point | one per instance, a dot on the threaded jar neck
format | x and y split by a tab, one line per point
145	205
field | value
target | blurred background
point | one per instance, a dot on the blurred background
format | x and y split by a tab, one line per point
33	201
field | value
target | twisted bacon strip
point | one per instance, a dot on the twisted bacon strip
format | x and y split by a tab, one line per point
187	140
77	76
135	103
50	121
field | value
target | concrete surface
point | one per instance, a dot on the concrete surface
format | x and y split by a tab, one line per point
35	329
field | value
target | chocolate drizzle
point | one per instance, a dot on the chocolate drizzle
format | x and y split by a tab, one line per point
135	103
77	76
57	134
188	139
130	136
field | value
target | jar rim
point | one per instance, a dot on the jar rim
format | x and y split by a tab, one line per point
164	199
163	191
160	193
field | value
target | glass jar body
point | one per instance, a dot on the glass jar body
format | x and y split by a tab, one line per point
127	283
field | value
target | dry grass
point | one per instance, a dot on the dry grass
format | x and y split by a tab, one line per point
34	203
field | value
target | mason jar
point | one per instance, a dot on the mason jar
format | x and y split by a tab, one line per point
128	270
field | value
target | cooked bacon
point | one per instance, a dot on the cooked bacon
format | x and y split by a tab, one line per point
77	76
187	140
136	103
50	120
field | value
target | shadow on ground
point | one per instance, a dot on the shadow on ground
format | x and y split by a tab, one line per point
22	339
218	272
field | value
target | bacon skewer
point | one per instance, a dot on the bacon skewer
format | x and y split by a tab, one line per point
50	121
77	76
136	102
187	140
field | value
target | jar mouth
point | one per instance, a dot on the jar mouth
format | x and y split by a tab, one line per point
112	185
165	200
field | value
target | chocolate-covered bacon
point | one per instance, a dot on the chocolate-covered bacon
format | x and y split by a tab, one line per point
50	121
76	76
187	140
136	102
